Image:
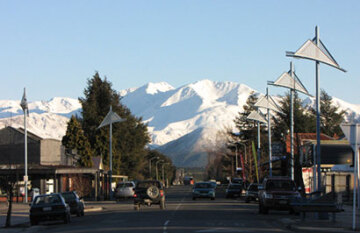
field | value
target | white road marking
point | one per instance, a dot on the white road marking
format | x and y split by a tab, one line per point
165	226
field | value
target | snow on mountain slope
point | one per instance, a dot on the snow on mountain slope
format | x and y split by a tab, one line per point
183	122
177	112
47	119
45	125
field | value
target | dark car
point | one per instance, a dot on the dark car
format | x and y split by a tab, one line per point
234	190
277	193
49	207
75	203
203	190
149	192
252	192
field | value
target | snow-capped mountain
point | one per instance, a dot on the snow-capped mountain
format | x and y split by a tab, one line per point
183	122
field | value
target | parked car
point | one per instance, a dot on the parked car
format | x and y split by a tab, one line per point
124	190
49	207
277	193
203	190
252	192
237	180
148	193
234	190
213	183
76	204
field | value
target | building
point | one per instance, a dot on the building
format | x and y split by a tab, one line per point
51	167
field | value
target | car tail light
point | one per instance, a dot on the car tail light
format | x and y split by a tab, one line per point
161	193
134	195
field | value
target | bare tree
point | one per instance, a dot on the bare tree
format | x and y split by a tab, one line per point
8	183
82	185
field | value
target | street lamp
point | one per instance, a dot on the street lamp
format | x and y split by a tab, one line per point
259	118
291	81
268	103
24	106
315	50
163	173
150	165
157	172
233	144
109	119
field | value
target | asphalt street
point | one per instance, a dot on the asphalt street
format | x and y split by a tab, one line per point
182	214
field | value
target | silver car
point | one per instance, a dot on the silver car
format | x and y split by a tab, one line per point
124	190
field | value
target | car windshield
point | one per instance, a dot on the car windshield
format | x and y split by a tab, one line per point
202	185
40	200
68	196
286	185
148	184
125	185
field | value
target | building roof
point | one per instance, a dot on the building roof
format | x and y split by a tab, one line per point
301	137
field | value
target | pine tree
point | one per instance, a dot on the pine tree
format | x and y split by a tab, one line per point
75	139
303	121
129	137
330	116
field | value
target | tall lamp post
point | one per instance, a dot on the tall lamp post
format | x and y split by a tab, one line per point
150	165
24	106
163	173
259	118
109	119
268	103
291	81
156	167
315	50
233	144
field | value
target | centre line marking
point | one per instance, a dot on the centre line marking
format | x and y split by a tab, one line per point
165	226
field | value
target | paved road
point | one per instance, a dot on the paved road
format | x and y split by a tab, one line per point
182	214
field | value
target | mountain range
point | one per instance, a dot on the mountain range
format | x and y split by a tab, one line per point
183	122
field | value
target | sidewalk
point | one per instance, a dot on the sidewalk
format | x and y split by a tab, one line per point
343	222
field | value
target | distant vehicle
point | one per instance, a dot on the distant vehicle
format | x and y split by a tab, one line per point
237	180
203	190
276	193
213	183
124	190
252	192
148	193
188	180
234	190
49	207
76	204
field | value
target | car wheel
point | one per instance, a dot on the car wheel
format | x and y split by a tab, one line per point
82	212
213	198
153	192
67	218
194	198
33	222
78	213
247	200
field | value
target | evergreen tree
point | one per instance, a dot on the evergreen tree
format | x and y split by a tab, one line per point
75	139
330	116
303	120
244	125
129	137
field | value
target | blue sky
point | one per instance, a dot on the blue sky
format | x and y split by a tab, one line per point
53	47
